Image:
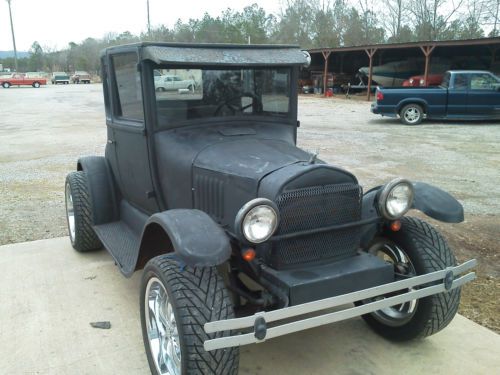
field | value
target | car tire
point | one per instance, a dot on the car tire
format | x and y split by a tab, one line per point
36	84
176	301
6	85
191	88
411	114
79	213
425	251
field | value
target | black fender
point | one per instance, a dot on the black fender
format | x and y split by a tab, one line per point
101	188
196	239
437	203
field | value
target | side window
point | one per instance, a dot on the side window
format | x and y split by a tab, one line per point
481	81
460	82
128	87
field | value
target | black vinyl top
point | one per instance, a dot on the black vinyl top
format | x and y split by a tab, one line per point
216	54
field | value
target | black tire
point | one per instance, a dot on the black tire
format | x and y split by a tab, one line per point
6	85
36	85
411	114
197	296
83	237
191	88
427	251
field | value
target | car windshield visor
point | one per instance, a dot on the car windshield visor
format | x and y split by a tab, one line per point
189	94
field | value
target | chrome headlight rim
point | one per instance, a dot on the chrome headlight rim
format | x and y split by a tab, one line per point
384	195
245	210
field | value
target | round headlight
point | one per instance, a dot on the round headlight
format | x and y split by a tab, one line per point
257	220
396	199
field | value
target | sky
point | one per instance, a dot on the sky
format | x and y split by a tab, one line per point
55	23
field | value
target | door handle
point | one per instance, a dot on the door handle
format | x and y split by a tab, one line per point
110	141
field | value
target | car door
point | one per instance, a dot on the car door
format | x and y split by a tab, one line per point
127	135
483	99
457	95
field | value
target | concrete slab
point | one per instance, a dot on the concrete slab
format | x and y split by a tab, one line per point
49	294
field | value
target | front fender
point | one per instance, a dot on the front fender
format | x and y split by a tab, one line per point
197	240
437	203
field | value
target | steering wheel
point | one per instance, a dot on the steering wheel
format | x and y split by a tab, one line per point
237	107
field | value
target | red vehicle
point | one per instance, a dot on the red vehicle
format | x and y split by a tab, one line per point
416	81
20	79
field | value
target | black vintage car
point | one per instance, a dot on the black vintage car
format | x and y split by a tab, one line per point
235	227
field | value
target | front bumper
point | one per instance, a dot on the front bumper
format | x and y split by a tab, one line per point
418	287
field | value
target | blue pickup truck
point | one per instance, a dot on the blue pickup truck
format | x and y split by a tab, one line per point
463	95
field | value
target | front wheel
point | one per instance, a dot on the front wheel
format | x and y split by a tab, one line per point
411	114
416	249
79	213
176	301
36	85
6	85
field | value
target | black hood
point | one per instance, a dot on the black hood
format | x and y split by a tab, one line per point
250	158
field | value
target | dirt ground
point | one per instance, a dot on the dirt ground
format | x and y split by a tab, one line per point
43	131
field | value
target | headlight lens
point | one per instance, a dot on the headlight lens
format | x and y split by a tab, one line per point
396	199
259	223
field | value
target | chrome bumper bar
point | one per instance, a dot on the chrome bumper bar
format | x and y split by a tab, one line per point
419	287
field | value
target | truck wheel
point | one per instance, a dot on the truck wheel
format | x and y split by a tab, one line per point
416	249
176	301
6	85
36	85
79	213
411	114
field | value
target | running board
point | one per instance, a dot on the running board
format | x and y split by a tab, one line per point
446	281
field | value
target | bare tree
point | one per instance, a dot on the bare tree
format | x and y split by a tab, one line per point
395	20
431	17
492	14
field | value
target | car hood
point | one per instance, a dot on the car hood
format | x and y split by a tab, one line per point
250	158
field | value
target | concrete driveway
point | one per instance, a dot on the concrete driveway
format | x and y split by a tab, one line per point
49	294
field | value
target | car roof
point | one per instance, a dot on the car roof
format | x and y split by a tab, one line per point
215	54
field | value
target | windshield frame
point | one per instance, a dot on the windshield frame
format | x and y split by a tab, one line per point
289	118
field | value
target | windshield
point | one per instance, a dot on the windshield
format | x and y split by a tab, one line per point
187	94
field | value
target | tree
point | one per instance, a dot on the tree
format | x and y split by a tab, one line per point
36	59
432	17
296	23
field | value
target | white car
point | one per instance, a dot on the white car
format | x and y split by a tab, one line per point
173	83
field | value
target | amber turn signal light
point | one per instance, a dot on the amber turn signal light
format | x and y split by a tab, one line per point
395	225
248	254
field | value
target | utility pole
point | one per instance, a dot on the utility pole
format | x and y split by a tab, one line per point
149	22
13	37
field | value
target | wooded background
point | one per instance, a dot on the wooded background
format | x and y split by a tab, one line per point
308	23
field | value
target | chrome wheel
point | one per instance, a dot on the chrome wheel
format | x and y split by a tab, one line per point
70	213
397	315
161	327
412	115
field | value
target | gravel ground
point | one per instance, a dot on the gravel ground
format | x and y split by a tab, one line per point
43	131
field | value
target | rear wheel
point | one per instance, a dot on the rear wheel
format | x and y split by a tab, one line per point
416	249
176	301
6	85
79	213
411	114
36	85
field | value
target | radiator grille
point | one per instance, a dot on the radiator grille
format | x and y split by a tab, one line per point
317	207
209	195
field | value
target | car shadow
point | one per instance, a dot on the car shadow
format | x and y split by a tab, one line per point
394	121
